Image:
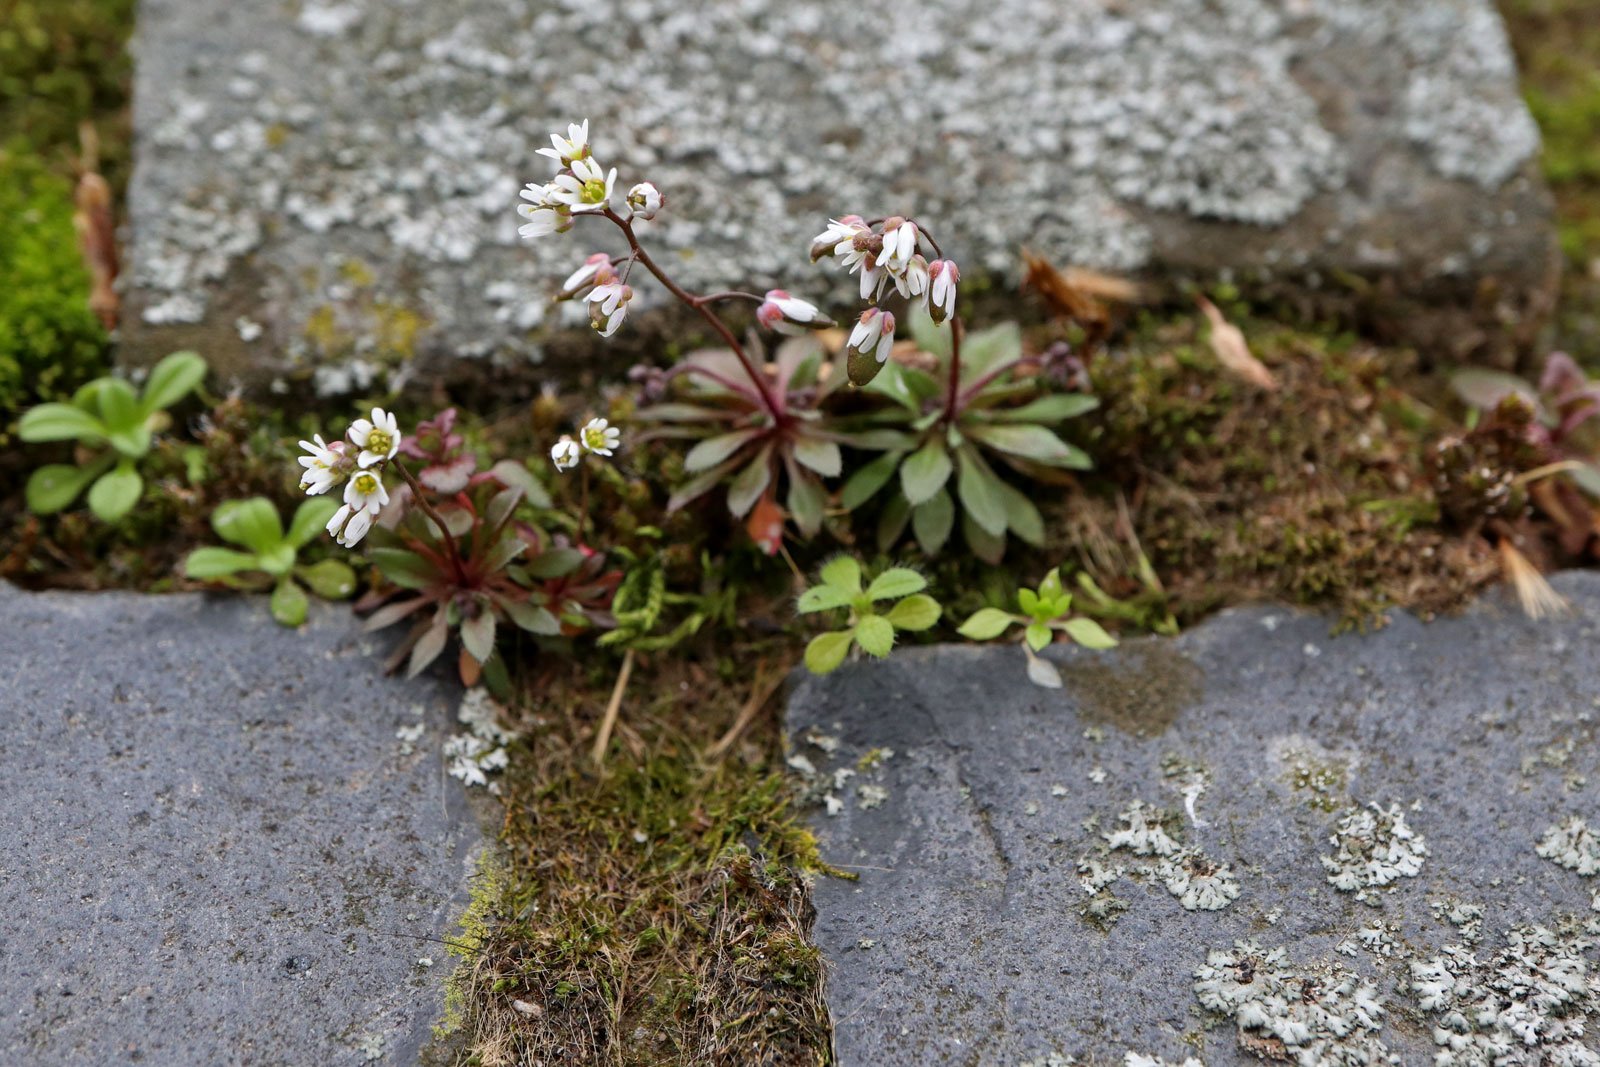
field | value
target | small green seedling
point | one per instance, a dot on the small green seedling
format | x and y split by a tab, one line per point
270	559
871	632
108	416
1046	611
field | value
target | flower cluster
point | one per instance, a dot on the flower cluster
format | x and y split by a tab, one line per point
888	256
356	461
598	437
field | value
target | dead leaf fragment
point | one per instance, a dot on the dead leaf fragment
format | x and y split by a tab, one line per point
1233	352
97	240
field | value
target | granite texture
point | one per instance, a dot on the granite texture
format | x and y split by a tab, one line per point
973	938
215	850
324	189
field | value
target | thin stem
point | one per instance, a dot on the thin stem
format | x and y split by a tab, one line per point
988	376
728	294
602	740
953	393
583	502
444	530
767	399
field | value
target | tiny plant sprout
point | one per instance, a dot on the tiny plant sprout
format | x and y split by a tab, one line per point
1046	611
269	555
874	633
114	426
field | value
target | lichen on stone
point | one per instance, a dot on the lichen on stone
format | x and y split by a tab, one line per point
1323	1016
1199	883
1573	845
1143	833
1373	847
1531	1003
1196	880
1136	1059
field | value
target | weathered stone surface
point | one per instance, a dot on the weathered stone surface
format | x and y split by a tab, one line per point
213	848
325	187
970	940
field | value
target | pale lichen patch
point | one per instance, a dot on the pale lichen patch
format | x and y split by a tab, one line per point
1373	847
1325	1015
1199	883
1531	1003
1572	844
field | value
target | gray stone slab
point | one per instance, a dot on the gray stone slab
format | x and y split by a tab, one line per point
213	849
970	940
324	188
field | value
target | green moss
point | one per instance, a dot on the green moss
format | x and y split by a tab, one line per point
62	63
654	913
50	342
1557	43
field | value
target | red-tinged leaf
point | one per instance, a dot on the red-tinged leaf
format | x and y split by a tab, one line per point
468	669
765	525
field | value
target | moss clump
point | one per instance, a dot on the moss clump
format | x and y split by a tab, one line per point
50	342
654	913
1320	492
1557	43
64	62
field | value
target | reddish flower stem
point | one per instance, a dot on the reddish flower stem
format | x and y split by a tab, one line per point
417	494
698	303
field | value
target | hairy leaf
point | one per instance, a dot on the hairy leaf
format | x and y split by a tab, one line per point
843	572
896	582
986	624
875	635
917	612
827	651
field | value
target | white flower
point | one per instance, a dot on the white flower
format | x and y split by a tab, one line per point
543	220
839	239
365	492
913	282
646	200
586	277
600	437
571	148
872	278
565	454
874	334
586	189
783	313
608	306
899	245
325	466
378	440
943	277
349	525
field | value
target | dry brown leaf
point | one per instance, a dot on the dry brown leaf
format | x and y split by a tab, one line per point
97	240
1075	293
1538	598
1228	342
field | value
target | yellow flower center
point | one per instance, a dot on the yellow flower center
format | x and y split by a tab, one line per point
379	441
366	484
594	191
